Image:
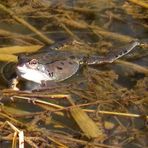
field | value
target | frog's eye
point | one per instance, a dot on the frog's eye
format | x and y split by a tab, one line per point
33	64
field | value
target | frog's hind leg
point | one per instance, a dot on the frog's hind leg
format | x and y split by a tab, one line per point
113	55
121	51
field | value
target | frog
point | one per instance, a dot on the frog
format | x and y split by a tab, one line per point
41	68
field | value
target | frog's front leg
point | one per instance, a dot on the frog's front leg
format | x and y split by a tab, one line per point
113	55
14	82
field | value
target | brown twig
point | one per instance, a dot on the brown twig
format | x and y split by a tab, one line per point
136	67
26	24
66	28
139	3
97	30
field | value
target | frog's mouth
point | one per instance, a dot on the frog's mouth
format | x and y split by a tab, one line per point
31	74
21	69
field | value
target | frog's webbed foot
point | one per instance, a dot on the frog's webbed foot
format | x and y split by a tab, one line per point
113	55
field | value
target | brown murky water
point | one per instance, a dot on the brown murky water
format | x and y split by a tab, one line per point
120	87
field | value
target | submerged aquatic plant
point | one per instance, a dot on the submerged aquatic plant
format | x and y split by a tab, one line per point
95	108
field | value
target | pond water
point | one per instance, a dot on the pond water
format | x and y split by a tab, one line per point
99	26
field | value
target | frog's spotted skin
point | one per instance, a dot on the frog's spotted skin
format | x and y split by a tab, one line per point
56	71
66	64
113	55
61	70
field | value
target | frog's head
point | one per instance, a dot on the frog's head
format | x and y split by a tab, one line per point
31	69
